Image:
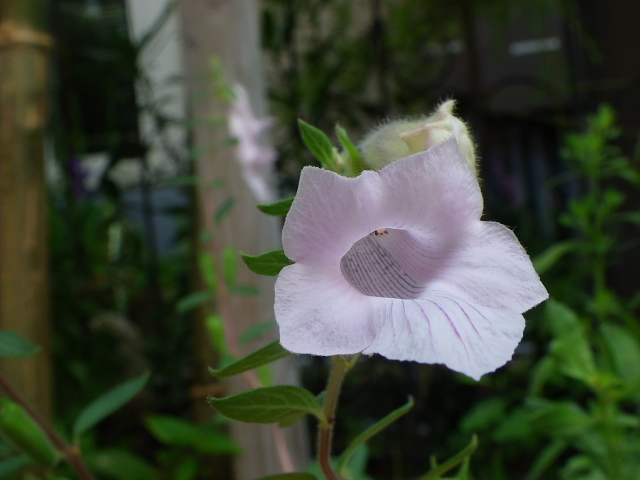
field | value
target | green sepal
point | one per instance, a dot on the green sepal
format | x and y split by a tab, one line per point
108	403
319	144
269	263
267	354
290	476
355	164
463	455
366	435
268	404
277	209
24	434
13	345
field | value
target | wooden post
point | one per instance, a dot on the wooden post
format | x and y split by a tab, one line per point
228	30
24	277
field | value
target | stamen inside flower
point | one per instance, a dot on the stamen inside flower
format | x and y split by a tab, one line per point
389	263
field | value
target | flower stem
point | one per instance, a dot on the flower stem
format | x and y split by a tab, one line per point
341	366
71	454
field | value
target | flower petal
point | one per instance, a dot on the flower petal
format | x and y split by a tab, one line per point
329	214
491	268
320	313
434	193
468	338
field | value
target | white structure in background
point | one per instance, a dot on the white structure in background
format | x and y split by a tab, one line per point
160	92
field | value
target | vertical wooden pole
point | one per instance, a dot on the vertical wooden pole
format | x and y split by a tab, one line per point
229	31
24	279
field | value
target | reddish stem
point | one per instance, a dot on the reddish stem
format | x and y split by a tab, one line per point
71	454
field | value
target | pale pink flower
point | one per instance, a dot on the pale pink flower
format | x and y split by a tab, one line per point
257	161
398	262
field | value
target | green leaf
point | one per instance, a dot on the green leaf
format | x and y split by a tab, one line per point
12	465
290	476
268	404
453	462
256	331
571	347
224	209
120	464
108	403
484	415
23	433
266	354
319	144
192	301
13	345
355	164
269	263
625	354
366	435
277	209
547	456
202	438
547	259
558	419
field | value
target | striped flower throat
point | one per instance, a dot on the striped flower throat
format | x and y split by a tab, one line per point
389	263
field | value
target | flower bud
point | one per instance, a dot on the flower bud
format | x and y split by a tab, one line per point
21	431
401	138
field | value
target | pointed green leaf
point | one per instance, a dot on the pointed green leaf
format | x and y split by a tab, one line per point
370	432
269	263
290	476
224	209
23	433
453	462
12	465
266	354
13	345
277	209
548	258
268	404
120	464
319	144
570	347
108	403
192	301
560	419
355	164
625	354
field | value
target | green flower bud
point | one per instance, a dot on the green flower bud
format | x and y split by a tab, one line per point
401	138
21	432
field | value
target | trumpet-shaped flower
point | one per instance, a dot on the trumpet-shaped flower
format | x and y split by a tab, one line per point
398	262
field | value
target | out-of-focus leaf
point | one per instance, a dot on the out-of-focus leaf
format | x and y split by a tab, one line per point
13	345
624	351
290	476
192	301
547	259
484	415
120	464
558	419
570	347
108	403
457	459
12	465
545	459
